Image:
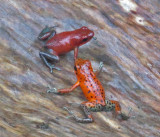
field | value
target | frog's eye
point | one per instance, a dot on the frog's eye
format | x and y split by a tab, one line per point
85	39
84	27
75	68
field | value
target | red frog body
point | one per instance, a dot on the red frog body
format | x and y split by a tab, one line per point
58	44
93	91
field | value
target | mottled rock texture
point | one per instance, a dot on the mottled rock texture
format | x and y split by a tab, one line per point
128	42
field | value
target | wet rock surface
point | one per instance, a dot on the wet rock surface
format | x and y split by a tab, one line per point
128	37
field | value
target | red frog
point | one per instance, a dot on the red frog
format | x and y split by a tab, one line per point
93	91
58	44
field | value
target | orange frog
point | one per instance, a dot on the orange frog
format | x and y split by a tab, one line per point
93	91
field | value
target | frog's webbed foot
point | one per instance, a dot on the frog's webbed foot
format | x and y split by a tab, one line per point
100	65
46	55
95	38
80	120
51	67
70	112
53	90
124	116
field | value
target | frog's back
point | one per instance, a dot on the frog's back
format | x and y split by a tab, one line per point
61	43
90	85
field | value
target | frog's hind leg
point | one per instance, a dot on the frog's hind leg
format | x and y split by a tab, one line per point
112	105
87	107
49	55
117	106
47	33
89	118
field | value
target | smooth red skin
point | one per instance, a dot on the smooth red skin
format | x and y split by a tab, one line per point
66	41
90	85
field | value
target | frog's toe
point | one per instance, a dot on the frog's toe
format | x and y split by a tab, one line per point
70	112
57	68
52	90
51	70
101	65
53	67
95	38
124	116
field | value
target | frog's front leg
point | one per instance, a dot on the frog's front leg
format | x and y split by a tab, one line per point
75	53
47	33
97	72
49	54
63	91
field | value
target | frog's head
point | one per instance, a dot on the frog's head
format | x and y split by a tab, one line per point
84	35
82	66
